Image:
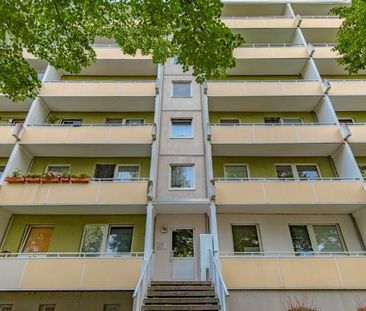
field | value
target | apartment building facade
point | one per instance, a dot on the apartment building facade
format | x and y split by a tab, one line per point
132	172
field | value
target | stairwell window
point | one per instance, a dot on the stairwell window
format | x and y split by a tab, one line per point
181	128
182	177
246	239
182	89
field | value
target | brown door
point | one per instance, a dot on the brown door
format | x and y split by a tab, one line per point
38	240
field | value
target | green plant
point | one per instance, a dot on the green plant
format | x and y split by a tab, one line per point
65	174
52	118
17	173
83	175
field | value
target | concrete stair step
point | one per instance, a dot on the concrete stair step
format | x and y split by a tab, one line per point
175	300
180	307
180	287
180	283
200	293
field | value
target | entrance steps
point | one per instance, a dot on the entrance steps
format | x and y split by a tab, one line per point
180	296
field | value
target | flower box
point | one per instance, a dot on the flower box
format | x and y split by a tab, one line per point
33	179
80	180
49	180
65	179
15	180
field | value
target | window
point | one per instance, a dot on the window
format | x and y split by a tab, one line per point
246	239
104	171
47	308
127	172
297	171
110	307
272	120
114	122
2	169
107	238
134	122
346	121
362	168
182	177
321	238
6	307
235	171
278	120
182	243
229	121
292	121
37	239
182	89
181	128
58	168
72	122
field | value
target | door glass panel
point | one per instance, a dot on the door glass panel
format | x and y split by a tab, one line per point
246	239
272	120
128	172
93	238
284	171
119	239
38	240
236	171
307	171
301	240
182	243
59	168
328	238
104	170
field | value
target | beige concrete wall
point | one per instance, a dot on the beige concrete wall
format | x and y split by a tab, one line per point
274	229
259	23
67	301
162	263
279	300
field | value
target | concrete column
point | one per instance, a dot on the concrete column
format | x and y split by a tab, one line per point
213	227
149	230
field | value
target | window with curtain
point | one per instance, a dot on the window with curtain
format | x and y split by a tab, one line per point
307	171
127	172
246	238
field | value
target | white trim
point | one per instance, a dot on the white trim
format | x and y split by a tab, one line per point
237	164
193	181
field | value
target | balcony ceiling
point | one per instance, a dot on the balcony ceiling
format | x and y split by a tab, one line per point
348	102
265	36
5	149
253	9
8	105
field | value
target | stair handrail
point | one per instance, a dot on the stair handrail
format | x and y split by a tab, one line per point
142	284
217	279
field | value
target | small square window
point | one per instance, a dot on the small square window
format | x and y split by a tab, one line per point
47	308
182	89
246	239
6	307
182	177
181	128
284	171
236	171
112	307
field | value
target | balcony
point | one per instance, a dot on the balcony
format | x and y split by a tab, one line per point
68	271
115	95
266	22
348	94
97	139
319	22
337	195
357	139
277	139
267	95
7	140
283	271
106	195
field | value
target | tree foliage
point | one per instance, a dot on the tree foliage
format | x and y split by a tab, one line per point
351	37
62	33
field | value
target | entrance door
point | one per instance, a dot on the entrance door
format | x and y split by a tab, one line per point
182	254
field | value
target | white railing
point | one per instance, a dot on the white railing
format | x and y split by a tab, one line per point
271	45
271	179
291	254
218	281
119	180
71	255
264	81
270	124
141	288
89	124
101	81
320	16
258	17
327	45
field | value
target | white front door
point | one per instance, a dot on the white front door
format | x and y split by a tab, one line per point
182	254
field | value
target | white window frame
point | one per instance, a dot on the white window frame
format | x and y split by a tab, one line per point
119	165
288	118
257	225
193	173
55	165
236	164
312	236
189	82
180	120
124	120
28	230
294	169
227	119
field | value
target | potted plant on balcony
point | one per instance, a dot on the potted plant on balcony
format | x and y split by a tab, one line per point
302	305
33	178
52	118
51	177
81	179
65	177
16	178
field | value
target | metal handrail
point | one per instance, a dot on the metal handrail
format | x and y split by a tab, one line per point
270	124
320	16
71	255
264	81
259	17
290	254
271	45
101	81
119	180
331	45
220	287
271	179
89	124
142	284
347	80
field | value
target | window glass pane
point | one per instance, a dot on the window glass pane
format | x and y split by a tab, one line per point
128	172
363	170
246	239
328	238
73	122
114	121
2	169
38	240
181	176
307	171
93	238
111	307
6	307
292	121
301	240
182	243
119	239
236	171
229	121
17	121
58	168
104	171
181	89
134	122
284	171
271	120
181	128
345	121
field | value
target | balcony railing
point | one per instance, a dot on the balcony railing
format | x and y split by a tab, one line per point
272	45
272	124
